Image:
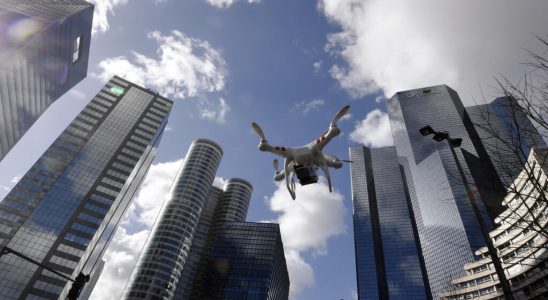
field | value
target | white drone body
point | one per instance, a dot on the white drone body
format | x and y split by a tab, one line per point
303	161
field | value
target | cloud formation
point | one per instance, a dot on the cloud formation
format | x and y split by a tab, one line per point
185	67
130	237
306	225
227	3
213	110
373	131
397	45
305	107
100	13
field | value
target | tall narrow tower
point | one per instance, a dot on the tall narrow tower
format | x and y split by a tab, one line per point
64	211
158	271
45	49
388	259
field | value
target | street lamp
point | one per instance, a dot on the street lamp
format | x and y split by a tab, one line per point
77	284
439	136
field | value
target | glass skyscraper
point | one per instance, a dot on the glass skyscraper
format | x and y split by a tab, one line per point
174	264
246	261
64	211
159	268
224	205
45	49
448	230
508	135
388	259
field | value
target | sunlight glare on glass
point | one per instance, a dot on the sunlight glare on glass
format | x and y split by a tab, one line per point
117	90
21	30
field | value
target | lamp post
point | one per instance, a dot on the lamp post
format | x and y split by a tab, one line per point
77	284
439	136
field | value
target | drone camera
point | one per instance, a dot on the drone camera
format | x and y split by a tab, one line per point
306	174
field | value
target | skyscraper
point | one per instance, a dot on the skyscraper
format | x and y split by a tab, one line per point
224	205
448	230
175	262
246	261
388	258
45	49
507	133
65	209
159	268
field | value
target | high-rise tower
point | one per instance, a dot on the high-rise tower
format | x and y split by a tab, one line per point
507	134
224	205
388	260
159	268
192	226
45	49
65	209
448	230
246	261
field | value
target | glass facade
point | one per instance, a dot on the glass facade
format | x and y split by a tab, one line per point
448	230
37	64
159	268
191	226
508	135
388	260
224	205
246	261
65	209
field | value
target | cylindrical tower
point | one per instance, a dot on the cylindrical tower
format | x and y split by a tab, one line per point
159	268
234	203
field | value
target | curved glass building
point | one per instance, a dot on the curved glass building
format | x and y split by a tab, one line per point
159	269
234	203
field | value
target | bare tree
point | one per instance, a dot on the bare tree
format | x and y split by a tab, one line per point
510	127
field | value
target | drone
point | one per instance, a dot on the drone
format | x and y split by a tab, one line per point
304	161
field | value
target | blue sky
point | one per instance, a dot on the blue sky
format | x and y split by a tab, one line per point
288	65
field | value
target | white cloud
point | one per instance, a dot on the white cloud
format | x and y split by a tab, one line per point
100	14
398	45
379	99
306	107
346	117
129	240
185	67
219	182
227	3
213	111
374	130
4	189
306	224
317	66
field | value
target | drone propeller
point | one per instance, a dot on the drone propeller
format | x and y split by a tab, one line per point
258	130
340	114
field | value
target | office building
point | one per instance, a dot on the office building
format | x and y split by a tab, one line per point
388	260
246	261
159	268
65	209
224	205
521	240
448	230
45	49
174	264
507	134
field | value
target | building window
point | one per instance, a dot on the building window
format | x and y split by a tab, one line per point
77	46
